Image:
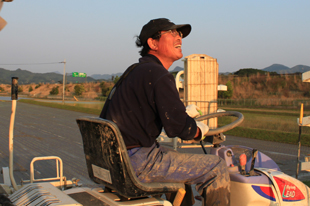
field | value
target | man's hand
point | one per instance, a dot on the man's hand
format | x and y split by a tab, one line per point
193	111
203	129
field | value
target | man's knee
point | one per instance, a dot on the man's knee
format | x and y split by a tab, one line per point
223	172
222	165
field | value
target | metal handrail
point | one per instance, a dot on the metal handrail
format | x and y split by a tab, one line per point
59	169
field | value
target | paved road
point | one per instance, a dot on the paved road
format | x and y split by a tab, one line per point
43	131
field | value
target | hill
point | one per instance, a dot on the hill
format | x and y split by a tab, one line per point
278	68
247	72
27	77
110	76
266	86
281	69
300	69
176	69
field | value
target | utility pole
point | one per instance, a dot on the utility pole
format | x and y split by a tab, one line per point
63	82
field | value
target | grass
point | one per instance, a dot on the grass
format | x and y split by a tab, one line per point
75	108
268	135
268	124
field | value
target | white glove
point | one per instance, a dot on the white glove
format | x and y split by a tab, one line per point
192	110
203	129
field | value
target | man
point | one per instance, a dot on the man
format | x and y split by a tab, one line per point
147	101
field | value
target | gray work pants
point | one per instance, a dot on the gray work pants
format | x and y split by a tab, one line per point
208	172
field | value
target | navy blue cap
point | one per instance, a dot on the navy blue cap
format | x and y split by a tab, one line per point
161	24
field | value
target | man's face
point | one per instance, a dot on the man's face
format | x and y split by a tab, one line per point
170	46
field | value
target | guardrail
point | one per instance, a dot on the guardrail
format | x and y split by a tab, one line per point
253	102
263	102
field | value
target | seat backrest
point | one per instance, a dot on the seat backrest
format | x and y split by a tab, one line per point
108	162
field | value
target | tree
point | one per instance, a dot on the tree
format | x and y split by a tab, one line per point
30	89
116	79
54	91
105	90
79	89
251	71
226	94
20	89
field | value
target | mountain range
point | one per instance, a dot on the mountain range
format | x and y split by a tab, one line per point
27	77
281	69
105	76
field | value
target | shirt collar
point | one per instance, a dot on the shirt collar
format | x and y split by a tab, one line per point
150	58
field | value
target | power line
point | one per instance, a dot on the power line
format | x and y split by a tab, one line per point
34	63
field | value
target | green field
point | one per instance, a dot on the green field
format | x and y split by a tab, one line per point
278	125
85	108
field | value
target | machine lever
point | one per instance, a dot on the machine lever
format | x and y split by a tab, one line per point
242	162
254	154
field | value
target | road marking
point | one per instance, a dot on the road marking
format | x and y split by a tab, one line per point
278	153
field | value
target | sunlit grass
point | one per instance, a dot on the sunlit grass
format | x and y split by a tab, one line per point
89	110
271	126
270	122
284	122
82	105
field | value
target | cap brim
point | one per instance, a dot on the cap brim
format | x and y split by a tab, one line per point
184	28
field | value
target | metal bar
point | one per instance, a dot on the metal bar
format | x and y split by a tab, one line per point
299	138
14	97
63	83
59	168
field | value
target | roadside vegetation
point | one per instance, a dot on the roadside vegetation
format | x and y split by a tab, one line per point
264	86
54	90
79	89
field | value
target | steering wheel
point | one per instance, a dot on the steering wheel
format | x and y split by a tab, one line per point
222	114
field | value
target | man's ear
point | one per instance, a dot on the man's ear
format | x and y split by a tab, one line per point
2	23
152	43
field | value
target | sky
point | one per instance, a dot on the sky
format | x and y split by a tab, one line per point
98	36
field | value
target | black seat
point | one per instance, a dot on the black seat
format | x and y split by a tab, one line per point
108	162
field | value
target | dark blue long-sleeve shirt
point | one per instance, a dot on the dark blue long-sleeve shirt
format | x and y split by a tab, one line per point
146	101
